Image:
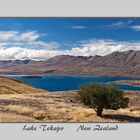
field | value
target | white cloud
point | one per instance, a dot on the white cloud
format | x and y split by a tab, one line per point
8	35
78	27
84	48
28	39
103	47
135	28
45	45
21	45
19	36
24	53
28	36
119	24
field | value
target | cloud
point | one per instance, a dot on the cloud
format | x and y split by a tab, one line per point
103	47
78	27
82	48
19	36
135	28
28	36
119	24
28	39
8	35
24	53
21	45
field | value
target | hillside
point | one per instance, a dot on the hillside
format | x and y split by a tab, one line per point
12	86
22	103
115	64
118	59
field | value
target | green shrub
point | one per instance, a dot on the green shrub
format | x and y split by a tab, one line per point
100	97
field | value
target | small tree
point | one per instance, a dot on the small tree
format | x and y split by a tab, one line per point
100	97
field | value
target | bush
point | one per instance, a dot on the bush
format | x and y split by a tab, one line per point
100	97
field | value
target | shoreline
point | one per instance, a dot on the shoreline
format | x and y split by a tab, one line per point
125	83
129	82
73	75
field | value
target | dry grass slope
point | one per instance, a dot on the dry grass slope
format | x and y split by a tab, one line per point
22	103
12	86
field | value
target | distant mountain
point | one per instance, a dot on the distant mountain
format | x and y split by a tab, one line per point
115	64
118	59
66	60
15	62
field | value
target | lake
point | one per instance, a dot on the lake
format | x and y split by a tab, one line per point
63	83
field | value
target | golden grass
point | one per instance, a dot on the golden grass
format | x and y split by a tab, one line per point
86	112
19	109
12	86
38	105
39	115
56	107
12	117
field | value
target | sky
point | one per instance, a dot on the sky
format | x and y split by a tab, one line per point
43	38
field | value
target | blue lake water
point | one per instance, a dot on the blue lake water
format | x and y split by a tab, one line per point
63	83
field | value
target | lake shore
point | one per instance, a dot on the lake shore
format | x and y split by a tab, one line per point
65	83
130	82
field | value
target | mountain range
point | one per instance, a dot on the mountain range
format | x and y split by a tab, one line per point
115	64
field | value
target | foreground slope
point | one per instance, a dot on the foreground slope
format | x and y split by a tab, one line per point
22	103
12	86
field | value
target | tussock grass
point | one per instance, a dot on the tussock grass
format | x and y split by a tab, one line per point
44	107
23	110
39	115
22	103
12	86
